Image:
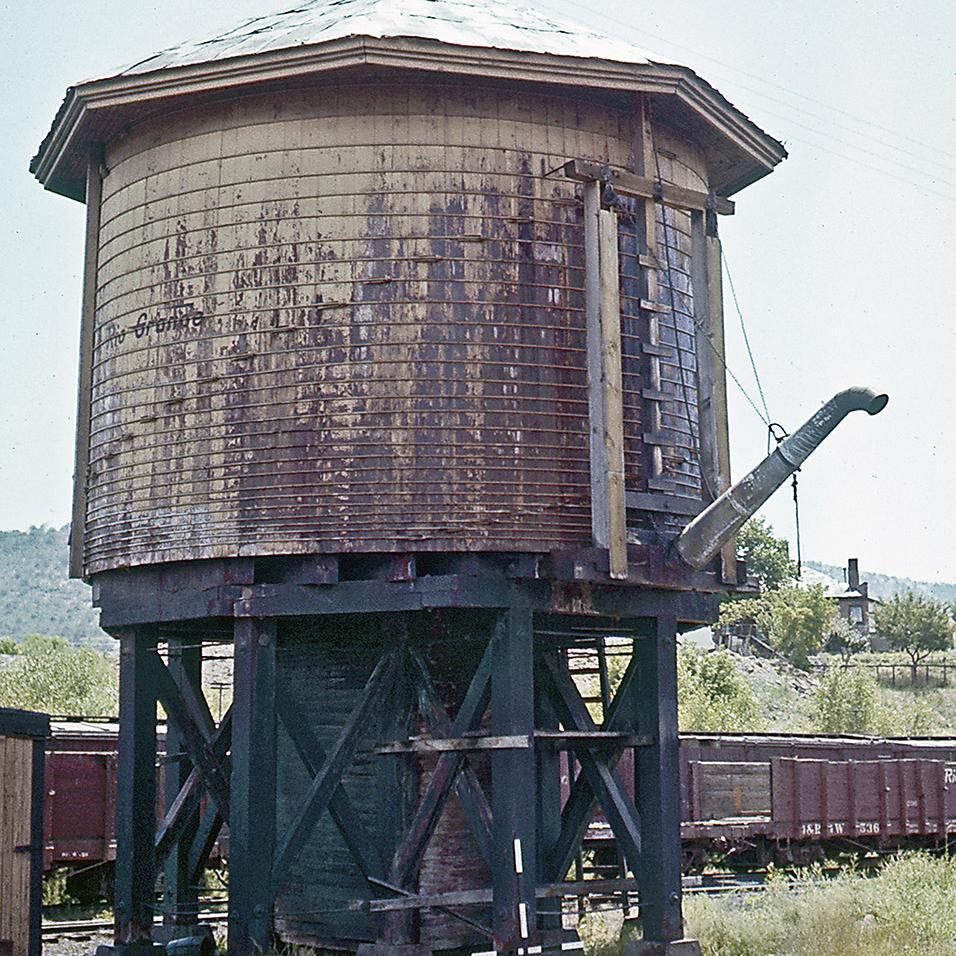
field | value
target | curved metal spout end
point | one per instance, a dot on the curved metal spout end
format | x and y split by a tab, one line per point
717	523
859	398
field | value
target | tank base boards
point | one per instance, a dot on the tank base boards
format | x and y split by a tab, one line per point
216	591
417	746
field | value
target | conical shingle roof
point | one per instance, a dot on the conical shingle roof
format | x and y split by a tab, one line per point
495	24
465	38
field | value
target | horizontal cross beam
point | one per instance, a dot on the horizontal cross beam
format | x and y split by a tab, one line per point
426	745
642	187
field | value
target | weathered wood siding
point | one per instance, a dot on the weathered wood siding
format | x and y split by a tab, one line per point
724	791
16	788
351	319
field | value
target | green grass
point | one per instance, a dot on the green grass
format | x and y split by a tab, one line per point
907	910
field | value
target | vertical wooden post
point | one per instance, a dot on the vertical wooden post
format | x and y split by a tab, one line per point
37	800
94	193
136	787
709	360
514	875
707	250
180	894
645	165
397	781
658	782
605	390
252	792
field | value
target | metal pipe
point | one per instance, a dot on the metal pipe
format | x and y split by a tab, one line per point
720	521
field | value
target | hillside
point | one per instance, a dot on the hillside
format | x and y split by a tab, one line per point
36	593
886	585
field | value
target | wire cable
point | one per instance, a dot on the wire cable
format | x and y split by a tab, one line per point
743	329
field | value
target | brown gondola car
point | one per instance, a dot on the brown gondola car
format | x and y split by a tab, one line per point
750	799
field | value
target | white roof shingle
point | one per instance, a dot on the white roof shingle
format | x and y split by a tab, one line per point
494	24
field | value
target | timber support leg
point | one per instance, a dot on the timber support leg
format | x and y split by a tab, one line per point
252	807
657	788
513	771
136	788
180	891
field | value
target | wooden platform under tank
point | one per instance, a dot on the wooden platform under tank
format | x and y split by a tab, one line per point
394	766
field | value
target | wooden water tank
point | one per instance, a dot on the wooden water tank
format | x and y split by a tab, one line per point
352	319
336	285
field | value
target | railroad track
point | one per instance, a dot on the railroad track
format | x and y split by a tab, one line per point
80	930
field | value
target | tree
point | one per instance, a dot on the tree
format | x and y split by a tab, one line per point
796	621
51	676
846	640
767	556
712	696
9	646
916	625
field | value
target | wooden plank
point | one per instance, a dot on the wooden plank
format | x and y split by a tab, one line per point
6	841
707	359
715	311
605	390
595	737
425	745
613	391
727	790
94	192
547	891
645	187
37	802
600	515
21	843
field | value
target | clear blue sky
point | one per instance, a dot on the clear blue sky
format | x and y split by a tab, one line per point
843	259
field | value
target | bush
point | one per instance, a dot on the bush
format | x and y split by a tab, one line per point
846	702
49	675
712	696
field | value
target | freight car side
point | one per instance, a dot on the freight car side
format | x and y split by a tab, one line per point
79	813
79	824
752	799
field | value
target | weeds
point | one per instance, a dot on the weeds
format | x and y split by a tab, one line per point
906	910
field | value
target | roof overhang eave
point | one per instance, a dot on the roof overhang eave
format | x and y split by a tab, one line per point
82	118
